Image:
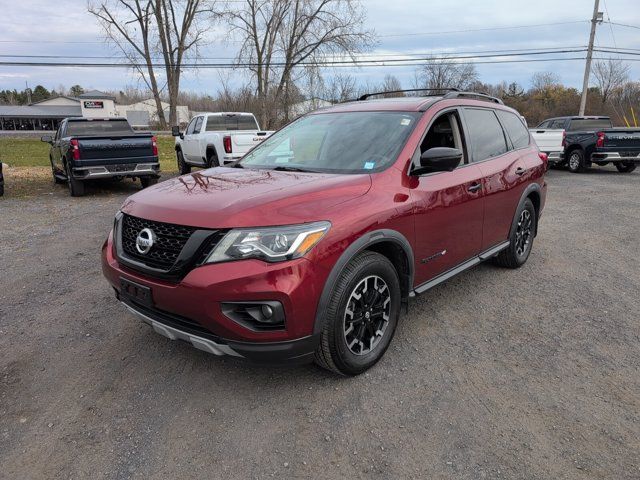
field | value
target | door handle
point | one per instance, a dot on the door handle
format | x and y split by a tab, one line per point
474	187
520	171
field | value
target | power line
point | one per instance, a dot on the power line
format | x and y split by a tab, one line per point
535	25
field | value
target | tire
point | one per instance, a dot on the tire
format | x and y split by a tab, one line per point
56	180
367	288
520	238
1	190
575	162
625	167
183	167
148	181
212	160
76	187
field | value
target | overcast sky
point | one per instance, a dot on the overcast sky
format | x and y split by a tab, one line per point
63	27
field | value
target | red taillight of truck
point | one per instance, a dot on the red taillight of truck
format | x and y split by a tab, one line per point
226	141
75	149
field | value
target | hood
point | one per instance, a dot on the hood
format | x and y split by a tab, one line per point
234	197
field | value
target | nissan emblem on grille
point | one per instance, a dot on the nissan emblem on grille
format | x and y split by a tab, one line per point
145	240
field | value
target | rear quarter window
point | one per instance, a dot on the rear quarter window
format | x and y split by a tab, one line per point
485	134
516	130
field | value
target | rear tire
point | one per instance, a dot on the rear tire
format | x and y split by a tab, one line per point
183	168
520	239
148	181
361	316
575	162
76	187
212	160
625	167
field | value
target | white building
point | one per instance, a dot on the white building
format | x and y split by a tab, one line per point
137	112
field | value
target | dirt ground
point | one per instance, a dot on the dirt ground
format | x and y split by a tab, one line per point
532	373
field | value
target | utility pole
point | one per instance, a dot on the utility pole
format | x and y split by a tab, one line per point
597	18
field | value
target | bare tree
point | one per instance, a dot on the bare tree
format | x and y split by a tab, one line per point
144	29
544	80
441	72
341	88
610	75
279	36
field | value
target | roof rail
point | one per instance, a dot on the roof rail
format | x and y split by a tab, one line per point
478	96
449	89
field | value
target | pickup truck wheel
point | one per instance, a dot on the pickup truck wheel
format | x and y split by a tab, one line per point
521	238
148	181
626	167
183	168
76	187
576	161
212	160
361	316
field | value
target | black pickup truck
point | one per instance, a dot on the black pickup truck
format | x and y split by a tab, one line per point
86	149
590	140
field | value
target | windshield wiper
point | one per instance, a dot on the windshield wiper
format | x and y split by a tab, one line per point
285	168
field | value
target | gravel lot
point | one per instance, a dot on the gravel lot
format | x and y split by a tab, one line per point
533	373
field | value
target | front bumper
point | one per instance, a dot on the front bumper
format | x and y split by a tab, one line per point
119	170
293	352
615	157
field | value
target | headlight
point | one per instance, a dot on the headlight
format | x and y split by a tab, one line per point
272	244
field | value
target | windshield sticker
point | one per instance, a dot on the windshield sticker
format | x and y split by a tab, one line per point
405	121
369	165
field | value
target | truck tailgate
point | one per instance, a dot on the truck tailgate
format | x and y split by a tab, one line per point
123	149
622	140
243	142
548	140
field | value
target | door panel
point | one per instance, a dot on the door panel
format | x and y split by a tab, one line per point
448	220
503	184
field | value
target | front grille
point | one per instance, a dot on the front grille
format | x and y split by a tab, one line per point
170	241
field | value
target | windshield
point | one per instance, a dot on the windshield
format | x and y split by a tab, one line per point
98	127
589	124
352	142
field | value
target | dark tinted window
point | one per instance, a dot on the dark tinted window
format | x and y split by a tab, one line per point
485	134
221	123
198	126
589	124
516	130
98	127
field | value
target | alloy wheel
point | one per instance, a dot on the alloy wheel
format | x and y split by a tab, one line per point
523	233
367	315
574	161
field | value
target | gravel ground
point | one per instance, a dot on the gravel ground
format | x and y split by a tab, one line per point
533	373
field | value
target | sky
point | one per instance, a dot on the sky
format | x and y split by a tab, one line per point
403	27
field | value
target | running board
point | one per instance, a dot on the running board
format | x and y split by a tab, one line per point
459	269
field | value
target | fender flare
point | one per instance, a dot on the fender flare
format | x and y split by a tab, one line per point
362	243
533	187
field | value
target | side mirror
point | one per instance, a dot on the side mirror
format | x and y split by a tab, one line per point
439	159
175	131
46	139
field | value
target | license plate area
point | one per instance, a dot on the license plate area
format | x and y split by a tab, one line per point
134	291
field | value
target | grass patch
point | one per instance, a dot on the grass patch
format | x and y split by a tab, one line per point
31	152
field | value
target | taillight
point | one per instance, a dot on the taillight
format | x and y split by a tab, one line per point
226	140
75	149
564	138
600	142
543	156
154	146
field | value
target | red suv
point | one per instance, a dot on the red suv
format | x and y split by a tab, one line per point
309	246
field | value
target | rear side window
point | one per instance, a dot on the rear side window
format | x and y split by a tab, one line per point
222	123
485	134
589	124
516	130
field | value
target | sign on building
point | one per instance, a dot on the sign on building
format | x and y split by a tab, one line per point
93	104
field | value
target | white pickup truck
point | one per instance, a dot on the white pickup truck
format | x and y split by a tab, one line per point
214	139
551	142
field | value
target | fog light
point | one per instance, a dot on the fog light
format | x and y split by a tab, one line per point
267	311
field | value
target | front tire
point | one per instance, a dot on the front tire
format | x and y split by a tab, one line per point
183	168
626	167
521	238
361	316
576	161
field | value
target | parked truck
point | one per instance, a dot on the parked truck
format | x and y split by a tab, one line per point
87	149
551	142
593	139
216	139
